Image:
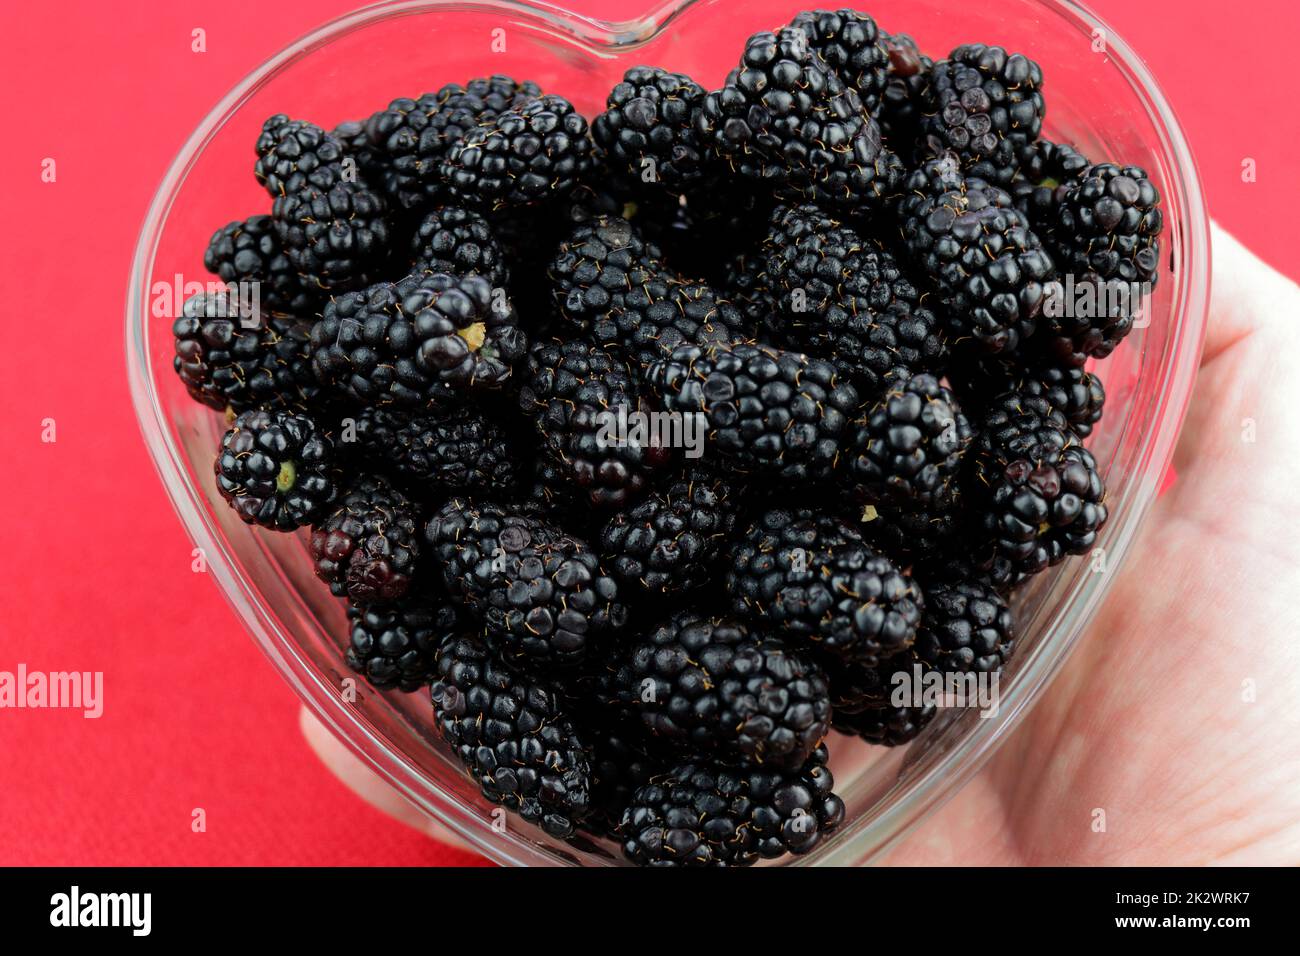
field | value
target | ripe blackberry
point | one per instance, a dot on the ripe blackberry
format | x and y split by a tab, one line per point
534	153
1074	392
366	549
855	687
908	447
1107	236
670	543
578	394
276	469
225	363
293	155
249	251
418	342
460	242
845	298
852	46
646	128
888	725
813	575
513	736
784	119
1040	495
709	685
335	237
371	163
540	593
909	532
906	95
613	286
967	626
987	107
620	765
1047	171
780	413
414	135
989	267
704	814
746	284
397	645
460	450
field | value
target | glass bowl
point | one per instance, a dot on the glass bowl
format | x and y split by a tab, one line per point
1100	97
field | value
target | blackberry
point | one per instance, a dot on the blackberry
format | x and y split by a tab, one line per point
908	447
371	163
534	153
613	286
620	765
1040	494
513	736
746	284
249	251
336	237
1077	394
414	135
709	685
670	543
907	93
987	107
1106	235
784	119
458	451
276	469
852	46
800	573
908	532
293	155
846	299
540	593
855	687
230	360
1047	171
989	267
577	394
397	645
780	413
367	548
460	242
888	725
705	814
967	626
646	129
419	342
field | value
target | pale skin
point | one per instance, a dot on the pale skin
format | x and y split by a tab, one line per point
1150	720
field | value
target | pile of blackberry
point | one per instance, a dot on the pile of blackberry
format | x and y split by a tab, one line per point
653	445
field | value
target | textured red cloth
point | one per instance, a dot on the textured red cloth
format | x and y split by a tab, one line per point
94	567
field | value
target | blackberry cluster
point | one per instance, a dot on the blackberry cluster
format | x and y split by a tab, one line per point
540	593
707	814
671	542
813	575
660	447
277	469
989	267
367	548
779	413
229	358
845	298
710	685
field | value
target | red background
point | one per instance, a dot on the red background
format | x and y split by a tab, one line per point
94	566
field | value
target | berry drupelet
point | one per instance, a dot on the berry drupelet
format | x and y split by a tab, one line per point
513	735
277	469
709	685
705	814
368	547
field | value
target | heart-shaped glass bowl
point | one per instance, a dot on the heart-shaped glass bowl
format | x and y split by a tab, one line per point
1101	98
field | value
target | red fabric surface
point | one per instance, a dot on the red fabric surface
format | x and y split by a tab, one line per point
95	568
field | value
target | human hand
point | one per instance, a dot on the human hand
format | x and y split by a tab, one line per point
1147	720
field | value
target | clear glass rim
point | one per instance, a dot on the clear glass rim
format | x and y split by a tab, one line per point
862	840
